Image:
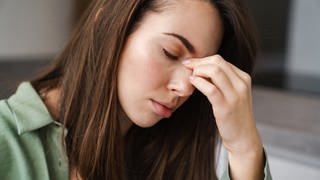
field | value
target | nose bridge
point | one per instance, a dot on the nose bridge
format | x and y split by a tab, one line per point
179	82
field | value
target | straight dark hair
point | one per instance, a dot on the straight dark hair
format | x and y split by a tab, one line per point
86	73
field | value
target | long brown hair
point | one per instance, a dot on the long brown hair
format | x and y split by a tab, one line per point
86	73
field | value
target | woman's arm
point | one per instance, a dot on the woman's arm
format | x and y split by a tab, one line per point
229	91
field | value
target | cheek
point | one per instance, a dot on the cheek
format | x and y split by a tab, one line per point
148	70
154	73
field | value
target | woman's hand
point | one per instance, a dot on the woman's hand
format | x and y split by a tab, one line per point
229	91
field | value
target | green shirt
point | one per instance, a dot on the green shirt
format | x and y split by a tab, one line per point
30	140
30	143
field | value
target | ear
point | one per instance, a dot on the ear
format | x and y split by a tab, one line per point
97	14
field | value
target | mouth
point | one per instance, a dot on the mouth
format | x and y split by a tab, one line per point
162	109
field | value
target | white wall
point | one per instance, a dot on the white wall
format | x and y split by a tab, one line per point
33	28
304	39
283	169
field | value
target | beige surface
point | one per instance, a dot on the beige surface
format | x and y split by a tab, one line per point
289	124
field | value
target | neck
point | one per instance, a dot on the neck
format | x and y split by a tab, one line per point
125	126
51	100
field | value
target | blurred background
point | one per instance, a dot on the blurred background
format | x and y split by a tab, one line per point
286	89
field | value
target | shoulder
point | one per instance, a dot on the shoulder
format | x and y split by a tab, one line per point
8	139
25	140
7	124
21	115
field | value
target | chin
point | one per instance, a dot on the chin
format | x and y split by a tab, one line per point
146	123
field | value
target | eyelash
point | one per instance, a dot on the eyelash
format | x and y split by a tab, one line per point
169	55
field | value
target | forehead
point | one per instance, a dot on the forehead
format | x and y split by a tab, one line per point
197	21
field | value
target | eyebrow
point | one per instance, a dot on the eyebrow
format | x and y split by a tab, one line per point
184	41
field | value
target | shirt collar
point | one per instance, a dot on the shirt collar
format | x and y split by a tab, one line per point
28	110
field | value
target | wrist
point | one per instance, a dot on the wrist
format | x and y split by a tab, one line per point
247	165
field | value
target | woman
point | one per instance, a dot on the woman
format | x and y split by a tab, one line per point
145	89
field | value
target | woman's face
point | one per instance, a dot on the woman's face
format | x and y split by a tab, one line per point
152	82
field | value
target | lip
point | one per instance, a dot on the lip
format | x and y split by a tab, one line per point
162	109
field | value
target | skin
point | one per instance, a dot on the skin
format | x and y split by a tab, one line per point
229	91
150	77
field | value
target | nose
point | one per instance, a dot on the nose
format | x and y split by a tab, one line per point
179	82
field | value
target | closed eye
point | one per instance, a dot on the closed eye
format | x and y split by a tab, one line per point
169	55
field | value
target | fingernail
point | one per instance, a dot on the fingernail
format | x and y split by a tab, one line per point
191	77
186	62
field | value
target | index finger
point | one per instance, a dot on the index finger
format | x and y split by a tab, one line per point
190	63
